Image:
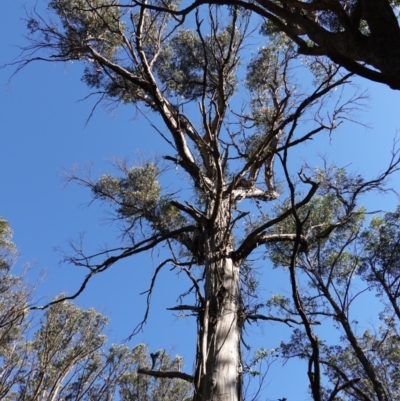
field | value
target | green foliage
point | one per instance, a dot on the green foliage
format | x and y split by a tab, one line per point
265	79
137	194
114	86
278	301
154	27
382	243
180	65
191	66
67	360
253	142
139	387
13	297
380	259
327	285
383	350
7	247
269	89
169	215
249	279
261	355
67	337
88	22
323	223
264	69
112	374
62	355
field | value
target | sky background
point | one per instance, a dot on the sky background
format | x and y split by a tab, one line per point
43	132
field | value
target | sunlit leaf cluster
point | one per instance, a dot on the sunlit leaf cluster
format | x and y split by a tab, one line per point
137	194
88	22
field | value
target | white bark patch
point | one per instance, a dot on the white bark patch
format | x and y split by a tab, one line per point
227	362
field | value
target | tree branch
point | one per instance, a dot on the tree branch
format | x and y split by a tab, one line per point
275	319
169	375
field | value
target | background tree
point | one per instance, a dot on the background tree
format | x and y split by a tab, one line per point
14	297
12	292
330	276
139	54
67	359
63	355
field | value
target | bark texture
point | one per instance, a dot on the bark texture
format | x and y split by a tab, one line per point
218	374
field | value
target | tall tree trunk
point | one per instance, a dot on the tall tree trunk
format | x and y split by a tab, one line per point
218	373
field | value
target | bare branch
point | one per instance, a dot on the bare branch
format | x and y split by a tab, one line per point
169	375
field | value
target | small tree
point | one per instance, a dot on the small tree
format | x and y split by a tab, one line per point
139	54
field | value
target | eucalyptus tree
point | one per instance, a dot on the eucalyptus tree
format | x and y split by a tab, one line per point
14	297
335	281
67	359
7	247
13	294
79	368
34	369
188	74
63	355
66	338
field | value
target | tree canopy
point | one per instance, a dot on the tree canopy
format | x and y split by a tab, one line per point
246	193
63	354
361	35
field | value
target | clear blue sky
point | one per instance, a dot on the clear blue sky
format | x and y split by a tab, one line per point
42	132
